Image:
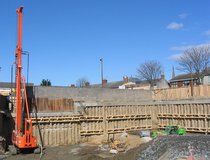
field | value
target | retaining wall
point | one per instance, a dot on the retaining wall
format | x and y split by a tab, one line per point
111	119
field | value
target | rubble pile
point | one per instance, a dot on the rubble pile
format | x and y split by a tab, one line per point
2	145
177	147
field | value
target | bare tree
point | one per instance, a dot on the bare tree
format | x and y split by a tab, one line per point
195	61
150	71
82	82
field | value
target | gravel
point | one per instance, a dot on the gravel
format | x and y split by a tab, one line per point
176	147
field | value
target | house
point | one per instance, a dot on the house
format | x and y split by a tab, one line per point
7	87
133	83
158	84
162	83
111	85
185	80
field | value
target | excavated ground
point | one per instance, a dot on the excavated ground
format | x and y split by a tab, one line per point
95	149
161	148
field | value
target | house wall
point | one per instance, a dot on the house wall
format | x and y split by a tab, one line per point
206	80
162	84
180	84
143	87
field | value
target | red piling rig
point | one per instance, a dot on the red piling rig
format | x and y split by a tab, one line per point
22	139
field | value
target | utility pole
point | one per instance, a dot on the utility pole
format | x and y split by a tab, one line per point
102	76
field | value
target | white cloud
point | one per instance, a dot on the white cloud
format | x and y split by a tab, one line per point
184	47
207	33
175	56
183	15
181	48
175	26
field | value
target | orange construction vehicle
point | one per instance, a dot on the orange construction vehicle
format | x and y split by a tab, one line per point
22	136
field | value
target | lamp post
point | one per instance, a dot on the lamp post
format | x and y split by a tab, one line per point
102	76
27	54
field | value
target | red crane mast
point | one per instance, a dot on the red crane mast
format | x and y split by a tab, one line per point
18	57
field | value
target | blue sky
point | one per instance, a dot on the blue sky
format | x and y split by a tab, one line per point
66	38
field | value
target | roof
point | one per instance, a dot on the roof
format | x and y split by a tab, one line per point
135	80
132	80
142	82
146	82
183	77
115	84
129	84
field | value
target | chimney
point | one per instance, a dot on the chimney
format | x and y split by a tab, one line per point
125	79
162	76
104	81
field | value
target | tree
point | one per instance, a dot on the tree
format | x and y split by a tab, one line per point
82	82
45	82
195	61
150	71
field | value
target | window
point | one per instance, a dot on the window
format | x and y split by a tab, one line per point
186	83
195	82
174	84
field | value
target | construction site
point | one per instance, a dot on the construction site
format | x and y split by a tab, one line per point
98	123
85	121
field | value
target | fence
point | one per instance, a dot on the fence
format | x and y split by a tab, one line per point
201	91
111	119
54	105
46	105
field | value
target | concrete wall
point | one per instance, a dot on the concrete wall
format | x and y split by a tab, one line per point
93	94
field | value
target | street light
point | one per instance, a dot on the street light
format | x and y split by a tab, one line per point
27	53
102	78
